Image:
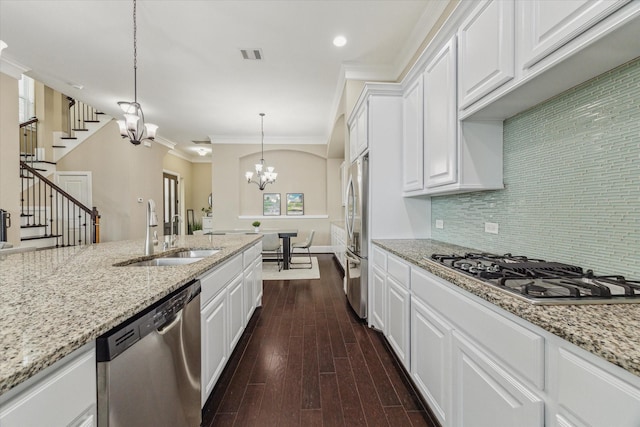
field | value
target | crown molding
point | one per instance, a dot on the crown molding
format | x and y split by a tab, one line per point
12	67
167	143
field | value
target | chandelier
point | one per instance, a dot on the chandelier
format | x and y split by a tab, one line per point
133	125
263	177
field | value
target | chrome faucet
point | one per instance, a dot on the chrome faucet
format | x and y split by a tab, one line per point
152	221
174	237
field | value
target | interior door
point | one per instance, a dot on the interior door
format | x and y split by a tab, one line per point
77	185
170	202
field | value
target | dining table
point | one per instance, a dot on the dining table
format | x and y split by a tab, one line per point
284	233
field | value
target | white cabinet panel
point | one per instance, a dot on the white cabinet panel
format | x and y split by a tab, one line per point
399	270
440	118
398	317
358	133
211	283
486	50
214	343
236	311
547	25
486	395
430	358
257	281
515	346
413	137
249	286
585	390
64	394
378	299
363	131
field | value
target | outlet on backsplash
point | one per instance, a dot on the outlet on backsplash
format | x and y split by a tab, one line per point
491	227
439	223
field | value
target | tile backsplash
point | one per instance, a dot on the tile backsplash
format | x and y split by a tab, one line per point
572	178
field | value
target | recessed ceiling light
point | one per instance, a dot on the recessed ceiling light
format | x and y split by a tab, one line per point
339	41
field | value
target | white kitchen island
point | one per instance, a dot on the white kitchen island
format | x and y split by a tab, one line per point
55	303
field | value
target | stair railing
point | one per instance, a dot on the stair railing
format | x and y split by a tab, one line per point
46	206
79	115
29	140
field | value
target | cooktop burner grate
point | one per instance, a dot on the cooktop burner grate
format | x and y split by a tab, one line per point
543	282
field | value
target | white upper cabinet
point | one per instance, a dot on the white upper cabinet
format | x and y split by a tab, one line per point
485	50
548	25
358	133
440	118
412	139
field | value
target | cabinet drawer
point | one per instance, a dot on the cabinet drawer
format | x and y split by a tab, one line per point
251	254
213	281
516	346
379	258
399	270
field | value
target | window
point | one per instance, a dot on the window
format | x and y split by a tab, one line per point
26	104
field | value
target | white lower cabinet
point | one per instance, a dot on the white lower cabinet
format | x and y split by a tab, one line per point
478	365
249	289
378	299
588	394
430	358
214	343
62	395
398	314
484	394
338	243
237	319
257	281
230	293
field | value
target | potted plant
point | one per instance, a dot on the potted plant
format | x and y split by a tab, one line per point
256	226
197	228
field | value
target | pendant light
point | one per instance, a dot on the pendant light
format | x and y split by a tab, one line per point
133	125
263	177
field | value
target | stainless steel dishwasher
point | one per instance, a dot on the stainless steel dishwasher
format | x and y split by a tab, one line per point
149	366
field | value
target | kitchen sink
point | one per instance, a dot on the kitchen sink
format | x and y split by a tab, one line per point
183	257
194	253
163	262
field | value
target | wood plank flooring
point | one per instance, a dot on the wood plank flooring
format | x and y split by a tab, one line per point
305	359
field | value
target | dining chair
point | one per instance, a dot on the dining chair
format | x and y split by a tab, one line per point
270	244
303	245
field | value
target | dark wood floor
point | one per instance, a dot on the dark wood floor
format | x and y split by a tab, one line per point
305	359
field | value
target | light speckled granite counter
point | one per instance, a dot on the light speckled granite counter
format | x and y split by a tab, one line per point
611	331
54	301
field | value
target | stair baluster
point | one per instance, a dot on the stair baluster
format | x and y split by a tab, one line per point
63	217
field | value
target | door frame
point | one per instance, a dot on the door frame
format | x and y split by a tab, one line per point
181	204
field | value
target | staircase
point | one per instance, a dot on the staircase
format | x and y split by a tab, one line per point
49	216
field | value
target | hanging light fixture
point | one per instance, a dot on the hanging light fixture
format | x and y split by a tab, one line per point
263	177
133	125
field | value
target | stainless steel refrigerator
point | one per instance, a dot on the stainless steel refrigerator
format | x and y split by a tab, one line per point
356	219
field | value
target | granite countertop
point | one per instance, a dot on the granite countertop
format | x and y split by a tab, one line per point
611	331
54	301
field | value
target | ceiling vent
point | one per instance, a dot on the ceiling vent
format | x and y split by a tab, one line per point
202	141
255	54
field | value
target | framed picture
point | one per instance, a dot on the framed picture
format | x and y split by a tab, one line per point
295	203
271	204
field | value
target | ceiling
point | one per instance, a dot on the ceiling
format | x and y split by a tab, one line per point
192	79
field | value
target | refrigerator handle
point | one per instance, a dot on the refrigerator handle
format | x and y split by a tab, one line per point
350	216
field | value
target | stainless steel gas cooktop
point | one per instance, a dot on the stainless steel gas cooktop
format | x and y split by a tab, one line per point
541	282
